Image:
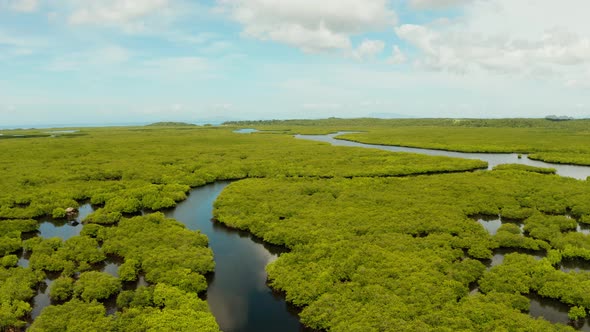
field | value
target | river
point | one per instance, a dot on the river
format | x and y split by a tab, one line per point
238	295
493	159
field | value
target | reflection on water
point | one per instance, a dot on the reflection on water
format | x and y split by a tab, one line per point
574	265
583	228
245	131
493	159
490	223
500	253
554	311
237	295
65	229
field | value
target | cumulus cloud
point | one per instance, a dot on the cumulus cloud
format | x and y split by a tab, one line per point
506	36
114	12
397	56
313	26
368	49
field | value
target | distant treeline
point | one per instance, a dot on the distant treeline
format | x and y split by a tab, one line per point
171	124
363	122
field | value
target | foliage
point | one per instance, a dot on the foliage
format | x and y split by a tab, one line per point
103	217
95	285
16	289
61	289
163	249
526	168
369	252
78	253
74	315
372	254
174	310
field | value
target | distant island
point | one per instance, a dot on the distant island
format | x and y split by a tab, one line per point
558	118
171	124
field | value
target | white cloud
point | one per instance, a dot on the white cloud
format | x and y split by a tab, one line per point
106	56
174	65
311	25
24	6
543	37
436	4
115	12
397	57
368	49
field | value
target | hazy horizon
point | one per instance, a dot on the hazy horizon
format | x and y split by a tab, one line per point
142	61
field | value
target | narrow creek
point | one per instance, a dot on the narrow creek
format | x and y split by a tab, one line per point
238	295
493	159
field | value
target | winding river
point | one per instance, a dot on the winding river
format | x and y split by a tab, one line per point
493	159
238	295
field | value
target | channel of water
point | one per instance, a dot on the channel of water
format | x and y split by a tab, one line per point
493	159
238	295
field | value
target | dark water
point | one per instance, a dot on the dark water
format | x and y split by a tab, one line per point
493	159
65	229
237	295
554	311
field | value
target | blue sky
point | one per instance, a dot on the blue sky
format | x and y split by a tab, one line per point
119	61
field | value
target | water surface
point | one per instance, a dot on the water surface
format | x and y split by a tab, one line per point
238	294
493	159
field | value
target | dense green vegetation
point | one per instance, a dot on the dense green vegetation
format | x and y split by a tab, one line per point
123	171
401	253
550	141
376	244
526	168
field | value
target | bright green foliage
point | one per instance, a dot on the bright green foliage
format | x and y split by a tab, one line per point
22	226
128	270
154	166
95	285
62	289
509	236
59	213
175	311
91	230
512	276
139	298
102	216
16	289
526	168
10	243
565	142
166	251
9	261
368	254
388	254
577	312
74	316
78	253
516	212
